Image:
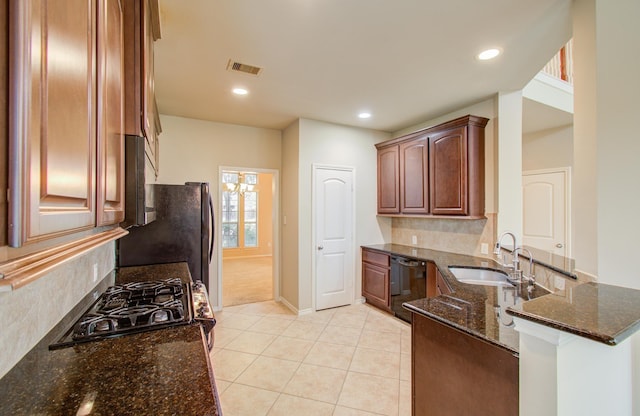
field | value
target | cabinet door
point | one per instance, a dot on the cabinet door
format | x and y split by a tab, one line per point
110	183
388	180
446	362
52	119
148	86
141	29
375	285
414	176
448	172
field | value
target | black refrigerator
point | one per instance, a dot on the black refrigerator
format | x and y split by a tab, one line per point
183	230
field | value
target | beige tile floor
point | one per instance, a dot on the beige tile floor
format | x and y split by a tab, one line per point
348	361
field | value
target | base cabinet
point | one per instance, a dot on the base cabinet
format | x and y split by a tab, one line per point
454	373
376	269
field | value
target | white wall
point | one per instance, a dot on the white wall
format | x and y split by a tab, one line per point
193	150
618	141
584	201
332	144
290	207
546	149
510	163
606	198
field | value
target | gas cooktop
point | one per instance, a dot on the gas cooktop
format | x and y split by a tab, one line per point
132	308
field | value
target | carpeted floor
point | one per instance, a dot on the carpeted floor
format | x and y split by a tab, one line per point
247	280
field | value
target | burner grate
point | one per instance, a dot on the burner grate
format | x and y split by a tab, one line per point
132	307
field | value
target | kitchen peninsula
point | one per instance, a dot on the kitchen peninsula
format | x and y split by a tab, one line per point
475	332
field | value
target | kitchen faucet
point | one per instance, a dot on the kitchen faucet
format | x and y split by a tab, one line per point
496	250
532	276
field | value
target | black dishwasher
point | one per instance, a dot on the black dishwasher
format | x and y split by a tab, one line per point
408	282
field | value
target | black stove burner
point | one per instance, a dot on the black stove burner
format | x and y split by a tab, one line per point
130	308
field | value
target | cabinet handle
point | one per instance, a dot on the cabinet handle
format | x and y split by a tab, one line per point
320	248
559	245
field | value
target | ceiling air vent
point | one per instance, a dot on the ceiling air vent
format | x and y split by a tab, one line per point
239	67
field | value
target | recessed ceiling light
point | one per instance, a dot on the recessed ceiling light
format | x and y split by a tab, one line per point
240	91
488	54
364	114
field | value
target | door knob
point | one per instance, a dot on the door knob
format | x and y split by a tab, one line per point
320	248
559	245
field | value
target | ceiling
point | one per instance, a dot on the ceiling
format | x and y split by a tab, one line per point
404	61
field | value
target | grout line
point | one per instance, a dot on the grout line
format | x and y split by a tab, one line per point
315	342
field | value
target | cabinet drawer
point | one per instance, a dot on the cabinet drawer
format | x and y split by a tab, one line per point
375	258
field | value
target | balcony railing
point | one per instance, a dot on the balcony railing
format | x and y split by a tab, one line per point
561	65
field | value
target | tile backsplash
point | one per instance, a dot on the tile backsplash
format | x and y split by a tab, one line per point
453	235
30	312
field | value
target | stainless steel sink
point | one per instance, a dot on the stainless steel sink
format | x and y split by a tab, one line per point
477	276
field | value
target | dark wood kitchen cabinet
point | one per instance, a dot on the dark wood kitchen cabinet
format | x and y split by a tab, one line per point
142	29
4	119
454	373
110	138
389	180
403	185
65	135
440	171
376	272
456	164
414	176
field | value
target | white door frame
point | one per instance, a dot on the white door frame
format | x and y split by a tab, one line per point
275	216
314	277
567	198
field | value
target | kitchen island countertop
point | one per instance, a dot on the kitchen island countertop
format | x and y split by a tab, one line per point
160	372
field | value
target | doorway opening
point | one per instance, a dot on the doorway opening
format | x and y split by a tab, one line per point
247	230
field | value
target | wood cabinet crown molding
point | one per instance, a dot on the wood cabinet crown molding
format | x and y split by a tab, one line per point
19	272
469	119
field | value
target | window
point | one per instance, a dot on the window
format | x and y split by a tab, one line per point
239	210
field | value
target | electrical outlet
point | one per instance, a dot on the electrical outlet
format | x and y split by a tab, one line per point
414	239
95	272
484	248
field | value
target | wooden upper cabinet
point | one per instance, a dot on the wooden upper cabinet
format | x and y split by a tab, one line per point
142	29
52	118
440	171
414	176
65	128
388	180
110	184
4	128
448	167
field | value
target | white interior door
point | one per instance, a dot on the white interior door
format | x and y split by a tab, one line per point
545	210
333	225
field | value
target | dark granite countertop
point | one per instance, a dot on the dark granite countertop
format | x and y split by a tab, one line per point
477	310
159	372
603	313
600	312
